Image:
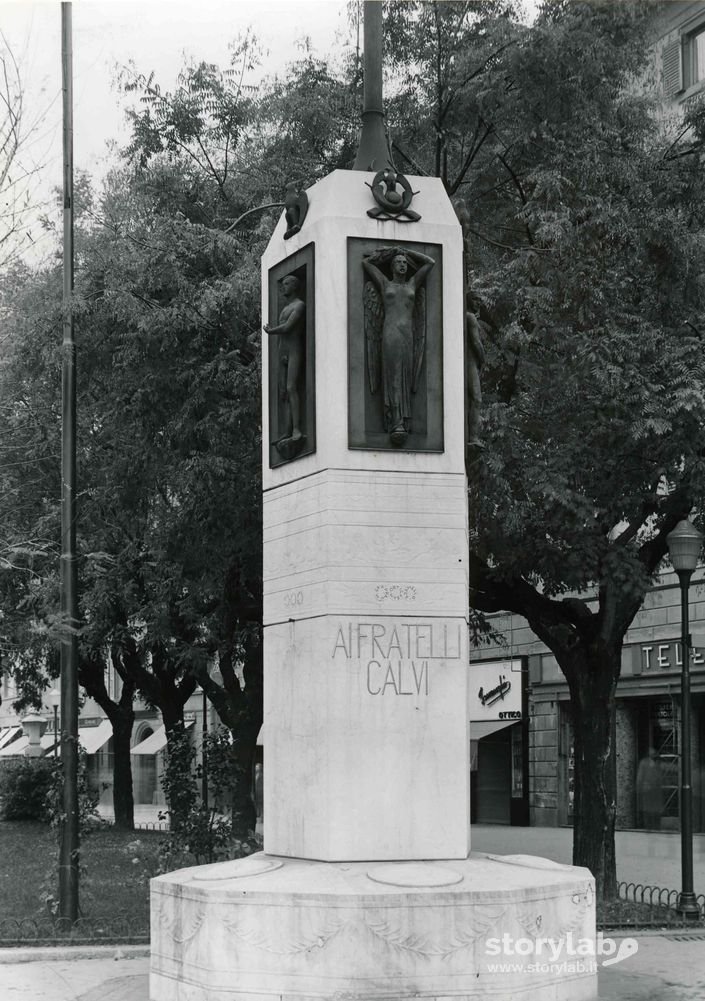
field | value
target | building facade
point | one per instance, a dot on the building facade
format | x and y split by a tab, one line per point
648	716
679	52
34	735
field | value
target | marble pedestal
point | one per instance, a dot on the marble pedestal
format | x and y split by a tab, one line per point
268	928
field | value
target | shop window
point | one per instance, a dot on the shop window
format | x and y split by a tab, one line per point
566	751
657	776
517	763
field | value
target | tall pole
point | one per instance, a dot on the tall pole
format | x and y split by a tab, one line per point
204	751
68	851
373	151
687	903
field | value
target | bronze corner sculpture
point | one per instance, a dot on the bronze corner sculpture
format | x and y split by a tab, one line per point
295	209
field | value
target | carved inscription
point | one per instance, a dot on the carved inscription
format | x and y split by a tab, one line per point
395	657
397	592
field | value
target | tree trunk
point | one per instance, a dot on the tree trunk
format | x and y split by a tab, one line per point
178	781
592	689
92	670
123	800
240	709
244	812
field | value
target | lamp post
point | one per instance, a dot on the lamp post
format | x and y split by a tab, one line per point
33	726
69	828
204	746
684	544
54	700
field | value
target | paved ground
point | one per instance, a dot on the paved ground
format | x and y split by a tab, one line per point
661	970
641	857
664	968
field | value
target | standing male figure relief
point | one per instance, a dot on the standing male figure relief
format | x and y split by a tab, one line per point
290	329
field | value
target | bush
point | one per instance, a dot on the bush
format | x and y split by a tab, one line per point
200	833
25	788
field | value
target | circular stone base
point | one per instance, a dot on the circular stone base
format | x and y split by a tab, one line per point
414	874
263	928
255	865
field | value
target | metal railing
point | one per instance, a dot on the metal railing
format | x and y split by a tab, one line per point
114	929
656	906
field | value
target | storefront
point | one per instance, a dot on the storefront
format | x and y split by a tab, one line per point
498	742
647	739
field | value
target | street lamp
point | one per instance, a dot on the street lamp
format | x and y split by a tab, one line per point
684	544
204	747
54	700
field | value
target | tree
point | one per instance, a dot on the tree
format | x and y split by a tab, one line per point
20	168
216	414
585	251
583	222
170	406
167	326
446	82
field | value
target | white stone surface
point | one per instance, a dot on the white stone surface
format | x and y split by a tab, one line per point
343	540
366	738
366	752
338	207
318	930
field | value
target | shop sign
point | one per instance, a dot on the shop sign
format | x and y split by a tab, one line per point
495	690
668	656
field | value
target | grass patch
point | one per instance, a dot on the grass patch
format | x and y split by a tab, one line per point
627	914
116	867
114	874
115	870
26	851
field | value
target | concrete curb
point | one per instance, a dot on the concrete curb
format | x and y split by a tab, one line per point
66	953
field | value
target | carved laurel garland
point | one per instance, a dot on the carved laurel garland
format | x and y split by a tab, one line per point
570	917
172	922
395	933
317	936
392	929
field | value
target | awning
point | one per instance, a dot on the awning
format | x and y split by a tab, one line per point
16	747
485	727
7	734
92	738
48	740
156	741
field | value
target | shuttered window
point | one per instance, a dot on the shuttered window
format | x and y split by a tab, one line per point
672	56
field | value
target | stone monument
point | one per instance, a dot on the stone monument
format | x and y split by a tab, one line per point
366	887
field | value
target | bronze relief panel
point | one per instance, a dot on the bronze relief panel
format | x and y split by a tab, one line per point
395	345
291	371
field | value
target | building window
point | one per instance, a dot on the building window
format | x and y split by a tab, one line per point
672	57
684	61
694	57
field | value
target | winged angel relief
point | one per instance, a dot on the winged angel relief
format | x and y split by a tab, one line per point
395	331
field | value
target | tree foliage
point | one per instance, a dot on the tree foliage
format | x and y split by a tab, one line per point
21	163
166	316
582	213
585	251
